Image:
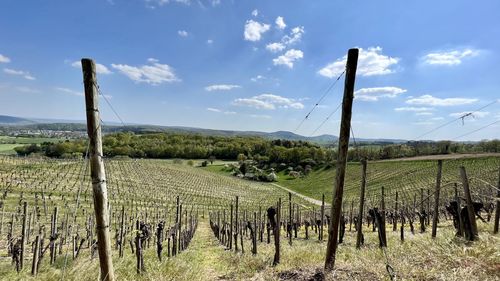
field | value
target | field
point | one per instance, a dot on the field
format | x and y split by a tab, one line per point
7	143
147	191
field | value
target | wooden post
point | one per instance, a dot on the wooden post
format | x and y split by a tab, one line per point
290	220
359	237
231	229
497	212
395	214
436	199
36	252
97	171
236	227
122	224
322	218
345	127
23	236
276	233
459	208
470	206
381	226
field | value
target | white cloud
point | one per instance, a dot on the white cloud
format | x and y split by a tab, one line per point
413	109
288	58
254	30
453	57
99	68
479	114
213	109
221	87
25	74
210	41
275	47
373	94
69	91
153	74
434	101
4	59
153	3
257	78
294	37
268	101
182	33
260	116
424	113
255	12
370	62
280	23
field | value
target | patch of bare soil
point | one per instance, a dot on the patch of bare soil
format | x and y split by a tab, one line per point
319	275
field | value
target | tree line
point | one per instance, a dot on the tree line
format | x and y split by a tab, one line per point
197	146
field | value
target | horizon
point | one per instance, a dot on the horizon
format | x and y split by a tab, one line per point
259	66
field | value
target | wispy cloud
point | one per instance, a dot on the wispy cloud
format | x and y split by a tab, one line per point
22	73
413	109
375	93
254	30
155	73
255	12
76	93
220	111
451	57
371	62
4	59
257	78
183	33
99	68
269	102
221	87
289	58
435	101
275	47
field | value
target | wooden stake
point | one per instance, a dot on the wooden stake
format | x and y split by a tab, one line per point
97	171
359	237
470	206
436	199
345	127
497	212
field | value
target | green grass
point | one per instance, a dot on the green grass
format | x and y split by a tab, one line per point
8	143
8	148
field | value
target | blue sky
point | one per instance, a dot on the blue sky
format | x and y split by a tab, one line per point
258	65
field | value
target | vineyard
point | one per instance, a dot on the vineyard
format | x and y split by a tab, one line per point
175	222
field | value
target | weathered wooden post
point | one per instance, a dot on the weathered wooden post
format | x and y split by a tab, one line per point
460	222
436	199
322	213
23	235
97	171
122	224
290	220
470	205
381	225
359	237
231	229
36	253
345	127
394	216
276	233
236	227
497	212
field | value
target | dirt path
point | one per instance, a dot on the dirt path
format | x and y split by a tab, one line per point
307	198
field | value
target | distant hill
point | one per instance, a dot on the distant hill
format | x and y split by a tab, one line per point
11	120
109	127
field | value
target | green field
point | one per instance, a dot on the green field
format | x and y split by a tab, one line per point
8	143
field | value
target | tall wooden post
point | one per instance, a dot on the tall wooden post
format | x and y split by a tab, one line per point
322	219
231	229
361	205
289	225
497	212
460	223
436	199
23	235
236	226
97	171
470	206
345	128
